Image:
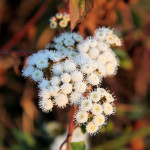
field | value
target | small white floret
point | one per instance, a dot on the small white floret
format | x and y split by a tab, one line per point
66	88
27	71
91	128
93	79
54	90
80	87
37	75
77	76
58	68
95	97
69	42
83	47
86	105
55	80
65	77
97	109
43	84
69	65
81	117
93	53
61	100
108	108
87	68
46	105
75	97
99	120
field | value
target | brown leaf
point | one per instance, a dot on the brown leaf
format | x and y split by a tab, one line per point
78	10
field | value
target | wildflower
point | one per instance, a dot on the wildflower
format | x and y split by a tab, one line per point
61	100
81	117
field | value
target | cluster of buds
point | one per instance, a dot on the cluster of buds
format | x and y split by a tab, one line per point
60	21
70	71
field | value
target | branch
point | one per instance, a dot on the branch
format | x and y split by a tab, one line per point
17	53
70	132
31	22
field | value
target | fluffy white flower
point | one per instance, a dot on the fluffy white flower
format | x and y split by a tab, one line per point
86	104
100	36
111	39
58	68
87	68
109	98
43	84
63	23
94	64
66	17
55	80
103	47
77	37
61	100
59	15
81	116
77	76
95	97
92	43
27	71
46	105
92	128
32	59
59	47
99	120
97	109
102	59
69	42
54	90
45	94
37	75
80	87
72	54
102	92
42	63
55	56
69	65
66	88
93	53
93	79
58	39
108	108
102	70
75	97
65	77
118	41
110	69
53	25
83	47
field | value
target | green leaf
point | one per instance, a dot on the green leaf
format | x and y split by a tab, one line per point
136	19
77	145
24	138
78	10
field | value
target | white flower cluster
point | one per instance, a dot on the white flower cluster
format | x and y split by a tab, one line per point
96	107
72	74
61	20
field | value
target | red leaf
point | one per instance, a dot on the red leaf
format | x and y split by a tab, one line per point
78	10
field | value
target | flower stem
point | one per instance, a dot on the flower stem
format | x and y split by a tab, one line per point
70	132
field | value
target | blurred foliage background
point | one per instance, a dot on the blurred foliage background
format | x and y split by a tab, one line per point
22	124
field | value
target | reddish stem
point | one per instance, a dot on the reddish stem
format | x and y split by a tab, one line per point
17	53
21	33
70	132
